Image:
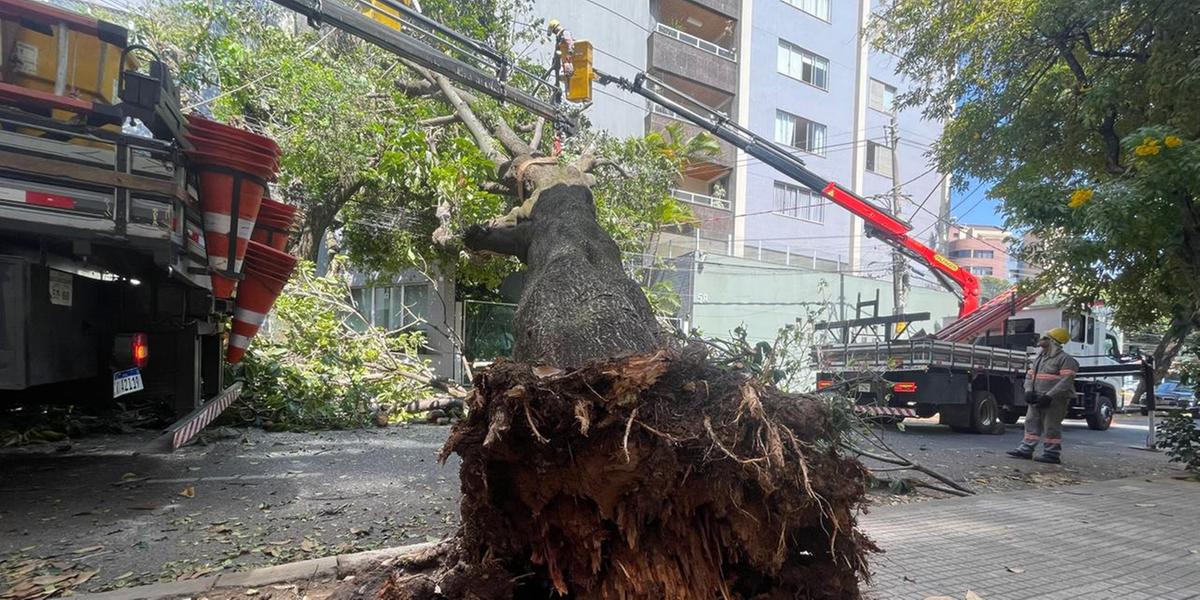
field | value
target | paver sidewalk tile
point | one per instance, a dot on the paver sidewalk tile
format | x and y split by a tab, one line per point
1083	541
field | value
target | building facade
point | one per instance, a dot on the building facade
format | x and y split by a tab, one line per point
981	249
800	72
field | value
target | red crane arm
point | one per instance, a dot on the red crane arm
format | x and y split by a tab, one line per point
894	232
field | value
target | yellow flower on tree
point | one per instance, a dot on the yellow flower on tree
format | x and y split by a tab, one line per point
1149	147
1080	197
1172	141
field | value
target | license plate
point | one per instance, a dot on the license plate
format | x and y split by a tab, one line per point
864	388
127	382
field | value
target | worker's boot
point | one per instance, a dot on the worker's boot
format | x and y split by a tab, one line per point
1052	459
1020	453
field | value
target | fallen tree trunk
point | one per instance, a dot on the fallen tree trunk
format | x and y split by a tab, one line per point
605	463
652	476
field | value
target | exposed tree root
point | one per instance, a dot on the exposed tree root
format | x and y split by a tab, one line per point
652	476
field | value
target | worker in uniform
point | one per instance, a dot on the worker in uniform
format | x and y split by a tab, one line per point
564	46
1049	388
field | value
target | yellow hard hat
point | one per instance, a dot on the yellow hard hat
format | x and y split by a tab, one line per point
552	26
1059	335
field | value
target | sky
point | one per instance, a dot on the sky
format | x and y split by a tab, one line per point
972	206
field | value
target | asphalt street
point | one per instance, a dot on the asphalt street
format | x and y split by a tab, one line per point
250	498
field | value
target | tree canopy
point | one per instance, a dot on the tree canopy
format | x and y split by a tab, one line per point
1082	114
377	159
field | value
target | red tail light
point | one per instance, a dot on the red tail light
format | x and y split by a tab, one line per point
824	383
139	349
905	387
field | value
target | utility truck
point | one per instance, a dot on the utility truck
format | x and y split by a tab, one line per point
105	288
972	372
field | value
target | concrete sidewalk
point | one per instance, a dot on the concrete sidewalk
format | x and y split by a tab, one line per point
1133	539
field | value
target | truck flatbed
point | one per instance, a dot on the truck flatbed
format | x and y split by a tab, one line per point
61	181
921	355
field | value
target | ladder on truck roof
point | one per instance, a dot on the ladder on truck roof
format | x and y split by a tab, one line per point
993	313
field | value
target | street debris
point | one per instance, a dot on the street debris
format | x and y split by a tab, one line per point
657	475
36	578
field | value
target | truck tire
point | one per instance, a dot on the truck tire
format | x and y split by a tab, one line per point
1101	418
985	413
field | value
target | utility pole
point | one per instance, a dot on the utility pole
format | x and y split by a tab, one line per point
899	265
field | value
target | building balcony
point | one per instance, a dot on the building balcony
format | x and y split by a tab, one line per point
701	199
689	57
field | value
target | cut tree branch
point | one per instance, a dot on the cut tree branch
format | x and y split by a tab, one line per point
1141	57
535	141
416	89
496	187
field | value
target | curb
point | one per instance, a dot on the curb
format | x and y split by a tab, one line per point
305	570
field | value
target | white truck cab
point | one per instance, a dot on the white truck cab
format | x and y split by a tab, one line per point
1093	342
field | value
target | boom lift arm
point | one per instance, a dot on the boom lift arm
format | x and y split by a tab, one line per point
880	223
380	22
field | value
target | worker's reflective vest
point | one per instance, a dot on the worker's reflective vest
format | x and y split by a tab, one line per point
1052	375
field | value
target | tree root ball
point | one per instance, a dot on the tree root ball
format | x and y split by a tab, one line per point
650	476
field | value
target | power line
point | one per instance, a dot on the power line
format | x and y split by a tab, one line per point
635	23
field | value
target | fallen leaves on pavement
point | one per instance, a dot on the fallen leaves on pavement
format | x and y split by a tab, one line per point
36	578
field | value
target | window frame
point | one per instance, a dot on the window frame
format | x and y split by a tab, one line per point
808	132
828	18
364	299
891	109
872	157
816	203
796	49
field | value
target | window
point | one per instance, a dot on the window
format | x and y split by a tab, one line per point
1081	328
799	203
816	8
984	253
882	97
799	132
801	64
879	159
390	307
981	270
960	254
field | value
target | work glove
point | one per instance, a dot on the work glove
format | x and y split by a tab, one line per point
1032	398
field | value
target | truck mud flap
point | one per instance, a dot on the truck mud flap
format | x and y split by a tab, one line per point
885	410
183	430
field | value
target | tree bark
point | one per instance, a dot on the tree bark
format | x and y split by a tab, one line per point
578	304
1167	349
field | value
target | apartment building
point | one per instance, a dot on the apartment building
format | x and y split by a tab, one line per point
798	71
981	249
989	250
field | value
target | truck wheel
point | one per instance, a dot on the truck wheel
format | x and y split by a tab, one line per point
985	413
1102	417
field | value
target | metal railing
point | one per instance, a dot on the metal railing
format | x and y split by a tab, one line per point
692	40
694	198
